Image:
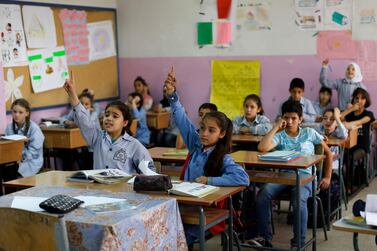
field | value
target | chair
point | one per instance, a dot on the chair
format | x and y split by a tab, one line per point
25	230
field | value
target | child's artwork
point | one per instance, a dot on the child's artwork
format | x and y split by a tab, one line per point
12	86
204	33
12	38
101	40
364	24
75	32
253	15
39	26
48	68
337	14
336	45
231	81
309	14
223	33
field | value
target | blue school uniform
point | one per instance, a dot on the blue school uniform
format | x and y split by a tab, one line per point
125	153
142	132
233	174
32	154
320	109
308	112
69	116
260	126
343	87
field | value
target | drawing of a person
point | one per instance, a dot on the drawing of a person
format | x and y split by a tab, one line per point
8	27
15	52
18	39
2	37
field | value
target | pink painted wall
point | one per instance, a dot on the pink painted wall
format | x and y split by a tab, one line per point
2	101
194	78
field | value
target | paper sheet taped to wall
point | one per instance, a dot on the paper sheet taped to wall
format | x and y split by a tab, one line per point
232	81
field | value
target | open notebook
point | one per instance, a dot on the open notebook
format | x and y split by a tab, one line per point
192	189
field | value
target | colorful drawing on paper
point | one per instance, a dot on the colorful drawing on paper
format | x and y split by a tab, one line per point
253	15
223	8
367	59
337	15
364	24
39	26
336	45
12	37
12	86
48	68
204	33
101	40
231	82
309	14
75	32
223	33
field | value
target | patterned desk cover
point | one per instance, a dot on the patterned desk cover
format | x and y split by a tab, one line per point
155	224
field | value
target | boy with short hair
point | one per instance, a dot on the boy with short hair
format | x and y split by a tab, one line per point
288	135
297	90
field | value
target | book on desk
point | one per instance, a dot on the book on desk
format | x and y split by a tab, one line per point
176	152
104	176
192	189
280	156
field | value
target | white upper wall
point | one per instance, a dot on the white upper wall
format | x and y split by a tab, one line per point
167	28
89	3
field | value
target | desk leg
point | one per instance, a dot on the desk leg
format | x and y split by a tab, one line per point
314	201
356	242
230	227
343	191
298	213
202	240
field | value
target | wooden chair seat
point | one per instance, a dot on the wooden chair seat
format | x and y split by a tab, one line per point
190	215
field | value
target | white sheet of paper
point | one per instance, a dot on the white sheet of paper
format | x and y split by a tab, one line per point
28	203
371	218
143	167
14	137
94	200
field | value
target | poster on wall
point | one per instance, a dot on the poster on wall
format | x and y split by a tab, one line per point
12	37
75	32
364	24
367	59
336	45
337	15
101	40
253	15
233	79
309	14
39	26
48	68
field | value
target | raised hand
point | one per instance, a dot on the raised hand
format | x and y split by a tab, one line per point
325	62
170	82
70	88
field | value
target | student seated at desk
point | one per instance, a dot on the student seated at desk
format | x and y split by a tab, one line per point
288	135
86	99
142	87
96	106
253	121
135	103
32	154
332	126
210	161
296	90
113	147
323	103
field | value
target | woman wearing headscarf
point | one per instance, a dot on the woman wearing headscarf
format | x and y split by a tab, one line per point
343	86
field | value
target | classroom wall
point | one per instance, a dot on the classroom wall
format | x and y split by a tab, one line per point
2	101
153	35
53	112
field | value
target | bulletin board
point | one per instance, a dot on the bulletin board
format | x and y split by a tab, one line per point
99	75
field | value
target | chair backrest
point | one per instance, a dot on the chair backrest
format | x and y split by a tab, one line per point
157	165
26	230
318	150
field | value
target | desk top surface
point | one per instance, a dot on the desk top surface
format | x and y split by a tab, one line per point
58	178
245	138
157	153
342	225
250	158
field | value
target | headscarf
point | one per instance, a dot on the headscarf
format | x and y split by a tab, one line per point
358	77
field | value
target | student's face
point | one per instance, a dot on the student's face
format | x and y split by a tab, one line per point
85	101
202	112
350	72
210	132
113	121
251	109
328	122
19	114
139	87
293	121
359	99
296	93
324	97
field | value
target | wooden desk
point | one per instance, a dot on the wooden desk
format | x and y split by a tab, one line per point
158	120
11	150
157	155
342	225
246	138
58	178
63	138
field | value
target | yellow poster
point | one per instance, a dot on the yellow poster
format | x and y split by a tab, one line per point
232	81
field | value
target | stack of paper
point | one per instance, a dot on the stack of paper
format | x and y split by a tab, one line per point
282	156
371	210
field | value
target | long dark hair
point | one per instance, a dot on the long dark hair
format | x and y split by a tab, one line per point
125	113
257	101
215	161
142	80
25	104
141	102
364	94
